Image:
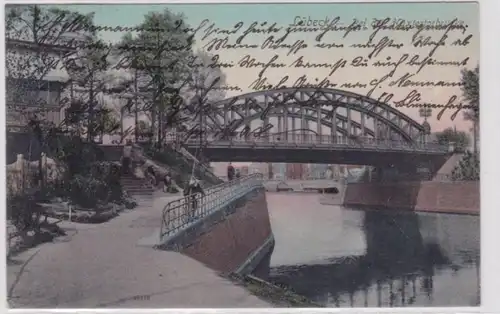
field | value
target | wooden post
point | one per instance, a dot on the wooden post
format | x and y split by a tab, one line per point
20	184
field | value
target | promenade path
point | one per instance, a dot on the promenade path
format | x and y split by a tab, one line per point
112	265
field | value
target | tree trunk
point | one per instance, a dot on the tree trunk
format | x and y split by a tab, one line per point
153	123
136	128
160	140
90	124
475	136
121	126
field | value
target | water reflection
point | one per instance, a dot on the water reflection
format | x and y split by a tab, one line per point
340	257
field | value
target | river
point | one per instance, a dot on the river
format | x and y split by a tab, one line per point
341	257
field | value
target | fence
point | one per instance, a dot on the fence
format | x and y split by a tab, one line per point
179	214
191	159
203	171
327	141
420	177
174	139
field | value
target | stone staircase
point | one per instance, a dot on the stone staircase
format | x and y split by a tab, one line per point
139	189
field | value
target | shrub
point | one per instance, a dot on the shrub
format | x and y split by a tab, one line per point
468	169
23	212
109	173
87	191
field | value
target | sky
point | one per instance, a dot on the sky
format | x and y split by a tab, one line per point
225	16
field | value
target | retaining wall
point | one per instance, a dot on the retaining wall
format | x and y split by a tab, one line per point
235	239
431	196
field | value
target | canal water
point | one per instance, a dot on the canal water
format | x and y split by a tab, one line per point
341	257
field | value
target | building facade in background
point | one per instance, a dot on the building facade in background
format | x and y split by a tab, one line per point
318	171
279	171
32	90
27	92
243	170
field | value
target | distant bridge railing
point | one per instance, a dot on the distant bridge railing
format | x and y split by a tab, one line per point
179	214
420	177
321	142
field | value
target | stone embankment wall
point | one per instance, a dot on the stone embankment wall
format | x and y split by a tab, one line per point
236	239
444	197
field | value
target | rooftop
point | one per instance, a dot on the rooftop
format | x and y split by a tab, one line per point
11	43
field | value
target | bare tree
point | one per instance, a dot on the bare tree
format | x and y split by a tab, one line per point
203	90
203	77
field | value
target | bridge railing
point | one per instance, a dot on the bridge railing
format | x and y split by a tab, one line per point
420	177
324	141
180	214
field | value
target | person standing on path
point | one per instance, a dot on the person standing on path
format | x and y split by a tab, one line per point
230	172
151	175
126	157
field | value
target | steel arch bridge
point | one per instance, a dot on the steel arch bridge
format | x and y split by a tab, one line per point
350	120
305	105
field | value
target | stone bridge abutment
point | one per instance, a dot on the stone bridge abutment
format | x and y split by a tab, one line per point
460	197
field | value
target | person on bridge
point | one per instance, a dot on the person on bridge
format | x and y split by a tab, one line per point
230	172
238	173
191	192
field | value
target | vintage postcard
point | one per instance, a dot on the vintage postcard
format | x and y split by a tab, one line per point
262	155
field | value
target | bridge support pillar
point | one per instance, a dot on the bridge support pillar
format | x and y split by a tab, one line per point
403	172
384	174
349	129
247	114
280	127
318	122
285	124
226	113
363	124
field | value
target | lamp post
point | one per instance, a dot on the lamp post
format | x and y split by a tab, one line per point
425	112
200	108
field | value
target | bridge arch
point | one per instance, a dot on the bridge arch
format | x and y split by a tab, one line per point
318	105
341	123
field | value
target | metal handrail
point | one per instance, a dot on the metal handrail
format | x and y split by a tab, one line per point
173	138
440	177
176	214
187	158
326	141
